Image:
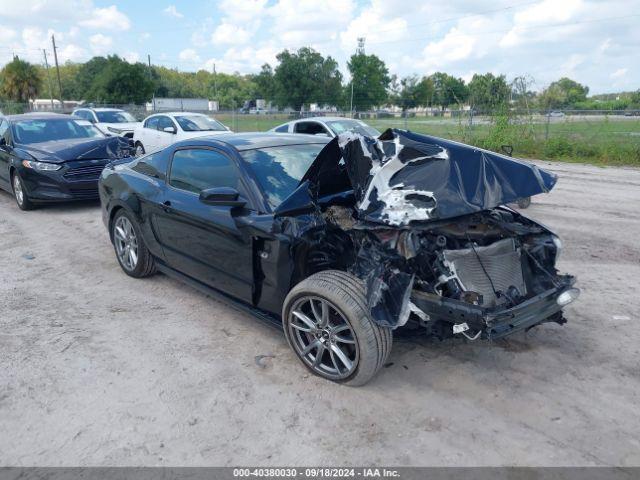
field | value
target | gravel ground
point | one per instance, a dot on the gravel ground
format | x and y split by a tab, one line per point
97	368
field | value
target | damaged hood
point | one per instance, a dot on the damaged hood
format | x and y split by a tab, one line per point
58	151
404	176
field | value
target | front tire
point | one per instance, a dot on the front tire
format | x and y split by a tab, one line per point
139	149
524	202
132	253
20	194
328	326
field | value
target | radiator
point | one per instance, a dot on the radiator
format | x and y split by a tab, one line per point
501	261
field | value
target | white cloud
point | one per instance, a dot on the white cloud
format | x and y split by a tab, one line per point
100	44
539	15
72	53
108	18
131	57
619	73
243	59
6	34
298	23
189	55
376	24
229	34
242	12
172	11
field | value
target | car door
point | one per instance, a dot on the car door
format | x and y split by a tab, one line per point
166	138
5	155
311	128
202	240
149	135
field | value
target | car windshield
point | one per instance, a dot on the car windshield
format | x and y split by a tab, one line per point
280	169
115	116
38	131
199	123
341	126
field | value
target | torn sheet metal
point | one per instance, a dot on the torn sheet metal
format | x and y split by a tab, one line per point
404	176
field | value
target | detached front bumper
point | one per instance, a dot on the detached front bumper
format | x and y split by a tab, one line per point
494	323
76	180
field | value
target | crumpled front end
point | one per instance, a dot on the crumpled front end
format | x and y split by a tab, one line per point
421	223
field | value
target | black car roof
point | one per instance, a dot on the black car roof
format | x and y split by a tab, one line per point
39	116
253	140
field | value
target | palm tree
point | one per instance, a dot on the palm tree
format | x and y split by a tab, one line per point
20	80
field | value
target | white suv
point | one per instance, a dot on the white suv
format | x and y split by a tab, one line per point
162	129
110	121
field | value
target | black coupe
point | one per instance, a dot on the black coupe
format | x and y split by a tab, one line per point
343	241
50	157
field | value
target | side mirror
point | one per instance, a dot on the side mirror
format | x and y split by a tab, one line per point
222	197
3	141
169	129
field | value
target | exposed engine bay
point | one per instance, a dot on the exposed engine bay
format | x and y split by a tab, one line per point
432	241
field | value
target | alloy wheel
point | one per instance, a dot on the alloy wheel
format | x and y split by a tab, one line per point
17	189
126	243
139	150
323	338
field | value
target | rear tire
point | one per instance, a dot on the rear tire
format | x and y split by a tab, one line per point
347	326
132	253
20	194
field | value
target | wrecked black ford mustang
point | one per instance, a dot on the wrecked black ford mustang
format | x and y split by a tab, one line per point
344	241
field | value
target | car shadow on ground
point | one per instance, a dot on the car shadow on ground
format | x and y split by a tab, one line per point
79	205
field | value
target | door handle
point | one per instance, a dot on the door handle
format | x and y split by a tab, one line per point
166	206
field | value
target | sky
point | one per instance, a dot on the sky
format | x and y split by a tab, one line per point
595	42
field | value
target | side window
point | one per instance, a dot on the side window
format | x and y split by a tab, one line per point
283	128
310	128
154	165
164	122
197	169
152	123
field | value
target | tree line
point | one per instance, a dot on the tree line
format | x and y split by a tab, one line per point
299	78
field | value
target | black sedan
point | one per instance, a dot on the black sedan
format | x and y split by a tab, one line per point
48	158
343	241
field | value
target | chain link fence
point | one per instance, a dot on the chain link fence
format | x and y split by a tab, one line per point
600	136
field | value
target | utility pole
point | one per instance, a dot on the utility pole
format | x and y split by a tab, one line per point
359	51
55	57
46	64
351	104
153	98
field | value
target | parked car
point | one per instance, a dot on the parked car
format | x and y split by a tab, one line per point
327	126
342	242
49	157
110	121
162	129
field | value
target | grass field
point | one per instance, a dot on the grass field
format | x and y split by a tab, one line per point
601	140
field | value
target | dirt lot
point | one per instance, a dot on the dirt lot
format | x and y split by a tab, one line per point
99	369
